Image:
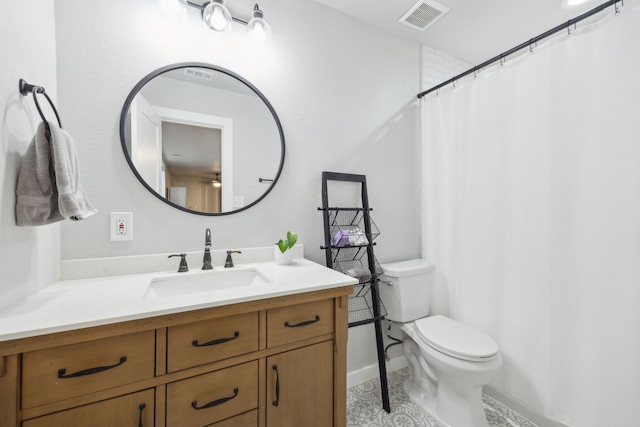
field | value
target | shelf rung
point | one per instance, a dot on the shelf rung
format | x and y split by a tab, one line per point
365	322
346	246
345	209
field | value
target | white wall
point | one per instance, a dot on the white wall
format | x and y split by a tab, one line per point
438	67
29	256
344	91
345	94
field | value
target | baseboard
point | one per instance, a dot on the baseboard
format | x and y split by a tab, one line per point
522	408
370	372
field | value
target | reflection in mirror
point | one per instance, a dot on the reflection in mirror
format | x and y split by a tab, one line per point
202	139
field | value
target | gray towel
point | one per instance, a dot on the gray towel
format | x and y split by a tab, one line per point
37	199
72	201
48	188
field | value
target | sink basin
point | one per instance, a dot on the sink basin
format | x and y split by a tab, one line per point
211	281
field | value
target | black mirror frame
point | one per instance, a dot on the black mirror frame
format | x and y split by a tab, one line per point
162	70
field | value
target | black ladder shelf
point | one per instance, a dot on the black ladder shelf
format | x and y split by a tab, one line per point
349	234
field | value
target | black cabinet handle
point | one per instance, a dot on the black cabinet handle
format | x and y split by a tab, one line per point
62	373
277	401
305	323
215	342
140	408
194	404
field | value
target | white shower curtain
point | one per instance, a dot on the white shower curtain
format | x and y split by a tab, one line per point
532	207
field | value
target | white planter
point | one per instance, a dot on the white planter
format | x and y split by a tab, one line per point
283	258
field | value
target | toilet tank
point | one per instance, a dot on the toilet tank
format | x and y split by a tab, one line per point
409	295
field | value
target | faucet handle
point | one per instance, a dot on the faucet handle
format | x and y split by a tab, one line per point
229	262
183	262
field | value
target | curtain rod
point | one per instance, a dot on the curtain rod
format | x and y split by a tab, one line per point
526	44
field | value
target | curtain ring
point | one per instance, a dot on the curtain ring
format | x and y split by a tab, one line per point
617	12
454	84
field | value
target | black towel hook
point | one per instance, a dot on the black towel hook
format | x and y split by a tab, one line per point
25	88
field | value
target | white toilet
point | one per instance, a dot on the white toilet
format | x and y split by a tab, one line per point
448	361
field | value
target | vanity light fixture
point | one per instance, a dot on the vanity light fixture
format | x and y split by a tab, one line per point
217	17
259	29
568	4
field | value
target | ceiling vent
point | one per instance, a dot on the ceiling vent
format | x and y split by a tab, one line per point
423	14
199	73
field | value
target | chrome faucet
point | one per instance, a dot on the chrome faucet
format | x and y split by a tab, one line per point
206	262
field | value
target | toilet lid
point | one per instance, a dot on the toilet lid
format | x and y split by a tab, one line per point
455	339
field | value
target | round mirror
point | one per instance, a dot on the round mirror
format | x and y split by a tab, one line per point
202	139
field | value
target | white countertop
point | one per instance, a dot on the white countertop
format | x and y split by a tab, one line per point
80	303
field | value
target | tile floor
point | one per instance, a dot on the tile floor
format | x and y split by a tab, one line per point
364	407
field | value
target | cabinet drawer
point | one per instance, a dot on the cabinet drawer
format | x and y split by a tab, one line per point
248	419
289	324
211	340
212	397
132	410
73	370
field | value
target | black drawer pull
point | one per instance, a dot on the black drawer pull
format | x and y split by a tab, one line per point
215	342
194	404
62	373
305	323
277	401
140	408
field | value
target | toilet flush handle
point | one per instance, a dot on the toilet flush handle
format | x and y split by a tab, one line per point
386	282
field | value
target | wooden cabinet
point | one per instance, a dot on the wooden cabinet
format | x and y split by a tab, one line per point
63	372
134	410
207	341
212	397
270	363
248	419
296	323
300	387
9	384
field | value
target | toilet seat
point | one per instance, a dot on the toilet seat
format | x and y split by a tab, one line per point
455	339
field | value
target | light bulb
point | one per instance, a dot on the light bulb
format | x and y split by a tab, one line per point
218	21
259	29
568	4
217	17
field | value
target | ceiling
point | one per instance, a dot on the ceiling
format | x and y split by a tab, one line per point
472	30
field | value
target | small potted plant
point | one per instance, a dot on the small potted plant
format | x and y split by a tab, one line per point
284	249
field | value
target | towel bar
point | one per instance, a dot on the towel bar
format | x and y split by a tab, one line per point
25	88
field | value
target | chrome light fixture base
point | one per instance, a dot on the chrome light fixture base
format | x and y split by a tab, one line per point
218	18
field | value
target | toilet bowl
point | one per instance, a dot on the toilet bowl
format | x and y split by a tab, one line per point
449	362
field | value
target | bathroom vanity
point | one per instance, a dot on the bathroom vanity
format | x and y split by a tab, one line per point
267	355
